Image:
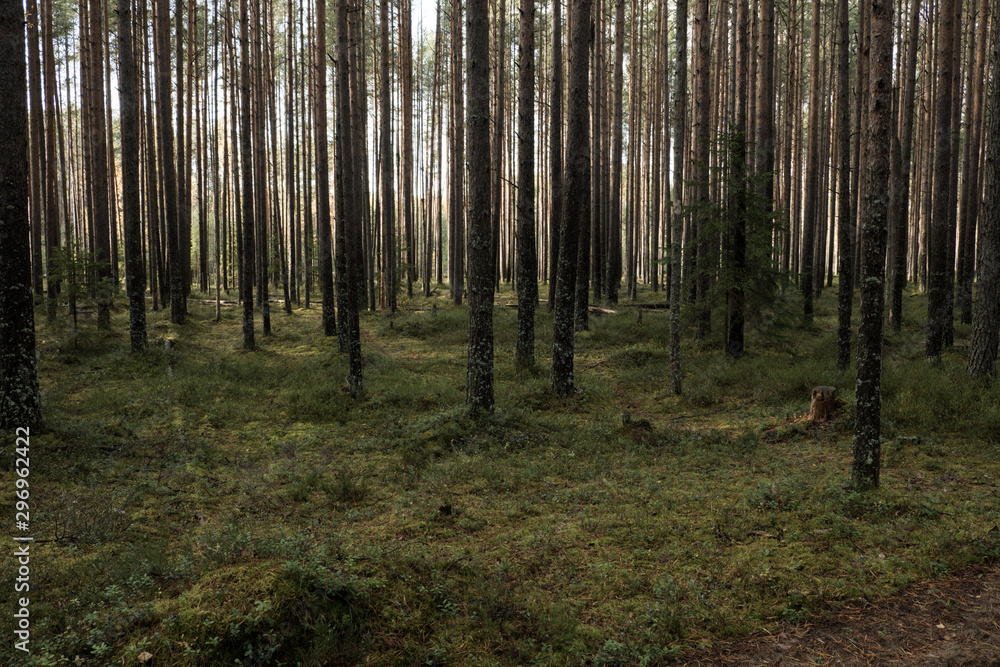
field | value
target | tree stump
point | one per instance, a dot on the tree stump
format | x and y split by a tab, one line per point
823	404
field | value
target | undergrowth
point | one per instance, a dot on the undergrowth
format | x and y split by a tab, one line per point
201	505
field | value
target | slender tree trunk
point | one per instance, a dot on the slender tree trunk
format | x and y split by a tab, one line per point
937	260
615	218
99	151
36	145
812	168
845	223
246	153
738	239
51	172
677	207
901	187
700	172
555	151
388	207
323	180
986	319
456	211
971	179
406	83
496	154
527	262
868	410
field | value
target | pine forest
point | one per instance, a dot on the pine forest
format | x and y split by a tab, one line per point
500	332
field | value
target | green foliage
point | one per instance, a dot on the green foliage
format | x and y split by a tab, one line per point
761	280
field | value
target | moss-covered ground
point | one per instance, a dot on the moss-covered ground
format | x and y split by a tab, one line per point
209	506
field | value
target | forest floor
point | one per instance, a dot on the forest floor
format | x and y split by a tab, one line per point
950	622
202	505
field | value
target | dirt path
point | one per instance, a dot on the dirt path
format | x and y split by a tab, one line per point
952	622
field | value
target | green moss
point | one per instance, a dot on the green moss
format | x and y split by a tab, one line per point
213	505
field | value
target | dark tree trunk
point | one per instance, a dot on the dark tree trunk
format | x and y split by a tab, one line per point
388	206
406	83
99	153
128	86
323	232
576	197
527	262
845	221
246	161
20	402
901	186
868	410
555	152
174	266
738	235
937	260
986	319
51	172
456	210
615	218
971	179
677	209
812	168
349	278
36	139
479	378
700	173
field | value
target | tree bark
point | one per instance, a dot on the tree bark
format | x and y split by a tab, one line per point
677	203
20	402
527	262
349	275
248	184
388	207
868	411
845	221
479	378
556	152
937	260
986	319
128	86
576	197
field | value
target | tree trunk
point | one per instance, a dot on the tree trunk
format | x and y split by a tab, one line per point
389	280
700	173
812	168
576	197
20	403
845	222
248	185
555	152
128	86
937	260
348	227
868	410
51	172
456	210
677	208
406	83
986	319
738	235
971	179
479	379
901	186
527	262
